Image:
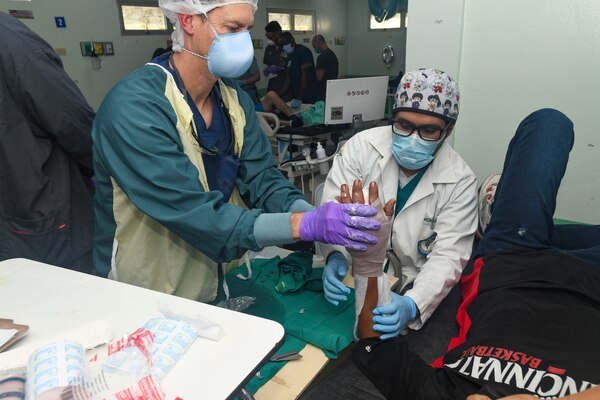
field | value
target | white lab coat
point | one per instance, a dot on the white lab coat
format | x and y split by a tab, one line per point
444	202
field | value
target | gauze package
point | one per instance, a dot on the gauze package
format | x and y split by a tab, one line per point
130	368
89	336
58	371
171	339
54	369
153	349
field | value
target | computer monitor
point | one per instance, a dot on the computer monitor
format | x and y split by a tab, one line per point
346	98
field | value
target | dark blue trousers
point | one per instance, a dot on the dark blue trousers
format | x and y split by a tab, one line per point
525	198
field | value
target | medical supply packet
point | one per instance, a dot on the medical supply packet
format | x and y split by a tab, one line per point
127	369
59	371
162	342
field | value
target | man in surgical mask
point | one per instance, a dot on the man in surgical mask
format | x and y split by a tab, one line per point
186	181
327	67
301	69
272	32
274	71
435	193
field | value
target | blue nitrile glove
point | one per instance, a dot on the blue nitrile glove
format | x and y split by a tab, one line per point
341	224
296	103
393	318
335	270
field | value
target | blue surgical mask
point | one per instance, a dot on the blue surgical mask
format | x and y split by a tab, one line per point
230	54
412	152
288	48
317	50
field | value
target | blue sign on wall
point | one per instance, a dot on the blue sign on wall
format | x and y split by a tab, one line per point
60	22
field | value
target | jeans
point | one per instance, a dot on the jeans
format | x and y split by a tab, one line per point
525	198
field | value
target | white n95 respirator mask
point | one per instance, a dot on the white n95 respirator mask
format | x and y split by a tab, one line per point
230	54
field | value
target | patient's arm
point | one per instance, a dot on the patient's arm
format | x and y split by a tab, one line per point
368	259
272	101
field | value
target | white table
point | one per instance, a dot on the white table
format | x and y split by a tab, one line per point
51	300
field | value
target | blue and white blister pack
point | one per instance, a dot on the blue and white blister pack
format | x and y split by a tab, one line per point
57	365
171	339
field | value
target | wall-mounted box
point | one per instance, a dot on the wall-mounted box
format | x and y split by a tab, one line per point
108	48
86	48
98	48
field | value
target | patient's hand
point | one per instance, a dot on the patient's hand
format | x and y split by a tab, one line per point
370	262
359	197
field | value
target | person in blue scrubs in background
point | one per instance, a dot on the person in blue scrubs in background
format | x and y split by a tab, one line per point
301	68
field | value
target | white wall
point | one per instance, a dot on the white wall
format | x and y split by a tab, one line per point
88	20
434	34
514	57
550	57
365	47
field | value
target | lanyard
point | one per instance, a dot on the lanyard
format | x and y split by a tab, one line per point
205	149
404	193
402	196
221	166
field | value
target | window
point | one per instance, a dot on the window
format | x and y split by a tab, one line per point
398	21
284	19
142	17
295	21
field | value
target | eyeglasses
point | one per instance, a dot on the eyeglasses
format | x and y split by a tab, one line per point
429	133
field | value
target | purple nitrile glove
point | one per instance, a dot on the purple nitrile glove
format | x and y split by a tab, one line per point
271	69
340	224
392	319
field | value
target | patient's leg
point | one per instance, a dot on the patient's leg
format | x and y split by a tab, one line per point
525	199
581	241
272	101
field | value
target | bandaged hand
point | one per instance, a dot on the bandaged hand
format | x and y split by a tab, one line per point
371	284
393	318
370	262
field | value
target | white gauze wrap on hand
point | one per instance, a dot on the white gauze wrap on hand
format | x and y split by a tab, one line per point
369	263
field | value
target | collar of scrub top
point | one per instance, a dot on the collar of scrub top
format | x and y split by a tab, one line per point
205	149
